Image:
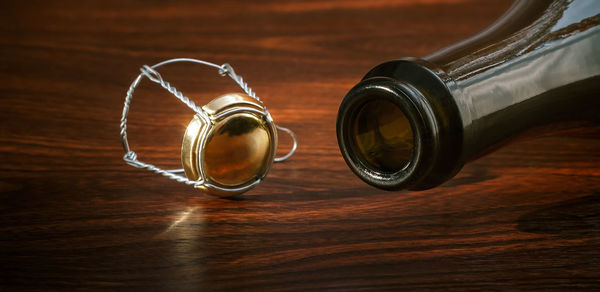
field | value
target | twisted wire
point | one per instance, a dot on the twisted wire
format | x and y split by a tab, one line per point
226	69
126	105
131	159
154	76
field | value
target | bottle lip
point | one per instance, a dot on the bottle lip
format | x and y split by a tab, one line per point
420	115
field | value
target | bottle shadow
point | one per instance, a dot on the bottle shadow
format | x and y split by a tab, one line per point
578	217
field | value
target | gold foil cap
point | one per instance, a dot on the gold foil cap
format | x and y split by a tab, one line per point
233	149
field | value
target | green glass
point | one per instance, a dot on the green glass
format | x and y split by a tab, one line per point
383	135
536	66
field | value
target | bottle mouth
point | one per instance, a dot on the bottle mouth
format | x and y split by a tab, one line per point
381	135
386	133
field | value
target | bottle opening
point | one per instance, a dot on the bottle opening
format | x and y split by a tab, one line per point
382	136
391	135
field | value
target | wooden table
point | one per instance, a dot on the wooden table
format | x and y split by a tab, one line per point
73	215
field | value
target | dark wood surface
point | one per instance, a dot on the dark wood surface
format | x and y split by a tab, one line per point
73	215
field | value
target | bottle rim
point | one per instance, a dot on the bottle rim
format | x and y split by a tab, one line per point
421	118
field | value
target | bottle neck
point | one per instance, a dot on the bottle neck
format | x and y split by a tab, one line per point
524	70
536	64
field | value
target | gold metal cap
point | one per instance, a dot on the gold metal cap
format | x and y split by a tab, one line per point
232	147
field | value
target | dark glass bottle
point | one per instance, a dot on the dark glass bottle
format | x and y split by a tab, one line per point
413	123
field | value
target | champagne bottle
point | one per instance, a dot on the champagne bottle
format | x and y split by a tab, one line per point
413	123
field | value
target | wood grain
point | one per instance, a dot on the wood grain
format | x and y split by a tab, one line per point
73	215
